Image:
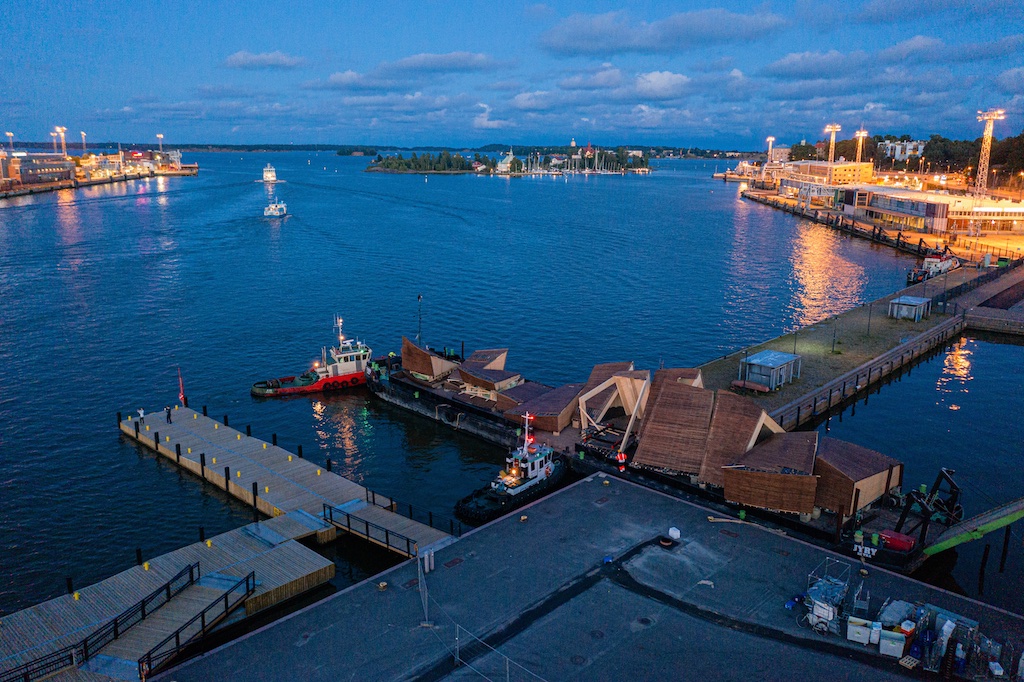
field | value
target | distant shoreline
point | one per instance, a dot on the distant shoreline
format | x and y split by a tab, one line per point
378	169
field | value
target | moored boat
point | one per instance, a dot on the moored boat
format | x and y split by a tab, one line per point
933	266
530	471
341	366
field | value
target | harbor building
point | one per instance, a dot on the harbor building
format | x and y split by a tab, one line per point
901	151
29	169
930	212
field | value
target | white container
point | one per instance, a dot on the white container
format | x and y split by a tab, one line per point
876	632
673	533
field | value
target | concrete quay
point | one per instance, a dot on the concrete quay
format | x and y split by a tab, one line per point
41	188
577	586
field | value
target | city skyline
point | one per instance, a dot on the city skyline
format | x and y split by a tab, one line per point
682	74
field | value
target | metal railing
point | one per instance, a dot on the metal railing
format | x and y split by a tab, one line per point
171	646
80	652
370	531
424	516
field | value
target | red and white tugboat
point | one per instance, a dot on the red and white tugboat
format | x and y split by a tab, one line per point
339	367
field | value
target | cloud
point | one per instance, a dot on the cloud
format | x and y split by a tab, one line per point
661	85
538	100
912	48
484	121
812	64
263	60
615	33
892	11
607	77
924	49
507	86
451	62
352	80
226	92
1011	81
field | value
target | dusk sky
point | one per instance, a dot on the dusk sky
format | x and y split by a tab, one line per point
721	75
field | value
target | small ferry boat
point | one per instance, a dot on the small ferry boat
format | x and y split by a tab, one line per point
530	471
933	266
275	208
270	175
339	367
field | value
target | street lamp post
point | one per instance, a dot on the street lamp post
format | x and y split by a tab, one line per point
160	139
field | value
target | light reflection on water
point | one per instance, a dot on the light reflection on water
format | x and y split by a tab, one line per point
828	283
956	375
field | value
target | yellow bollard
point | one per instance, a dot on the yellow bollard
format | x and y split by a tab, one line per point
129	417
168	439
76	596
214	460
147	427
239	436
289	458
175	407
216	426
264	446
209	543
266	488
145	566
195	416
239	474
317	472
190	451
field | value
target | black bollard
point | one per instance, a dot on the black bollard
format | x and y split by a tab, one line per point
138	556
300	452
248	429
227	478
136	430
255	494
177	452
328	463
981	569
1006	548
202	534
225	420
204	411
273	438
71	585
156	441
184	401
118	418
202	465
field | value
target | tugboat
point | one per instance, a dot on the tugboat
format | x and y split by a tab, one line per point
339	367
276	208
933	266
530	471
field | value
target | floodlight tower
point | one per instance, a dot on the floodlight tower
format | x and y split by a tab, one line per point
832	128
860	135
989	117
160	139
10	141
771	140
53	136
83	142
63	143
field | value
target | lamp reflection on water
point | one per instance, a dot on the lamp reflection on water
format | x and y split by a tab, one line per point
956	372
828	284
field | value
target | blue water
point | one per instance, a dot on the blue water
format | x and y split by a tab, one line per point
106	291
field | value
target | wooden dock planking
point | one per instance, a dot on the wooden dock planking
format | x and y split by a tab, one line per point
284	481
283	567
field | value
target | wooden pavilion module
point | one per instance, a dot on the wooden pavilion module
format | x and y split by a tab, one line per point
552	410
696	431
423	364
851	477
776	474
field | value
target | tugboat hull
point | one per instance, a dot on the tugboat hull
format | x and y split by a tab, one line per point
486	504
297	385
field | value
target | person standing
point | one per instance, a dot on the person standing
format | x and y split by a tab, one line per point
142	415
167	411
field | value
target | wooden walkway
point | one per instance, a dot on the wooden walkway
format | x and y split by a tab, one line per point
283	568
276	481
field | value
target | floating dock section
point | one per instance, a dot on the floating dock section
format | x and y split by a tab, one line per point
275	481
173	600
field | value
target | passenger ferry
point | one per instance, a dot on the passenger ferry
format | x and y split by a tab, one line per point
276	208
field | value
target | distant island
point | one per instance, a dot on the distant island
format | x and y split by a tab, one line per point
574	160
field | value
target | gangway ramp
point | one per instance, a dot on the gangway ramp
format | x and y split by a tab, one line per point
978	526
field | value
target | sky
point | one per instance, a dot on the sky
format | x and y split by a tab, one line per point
719	75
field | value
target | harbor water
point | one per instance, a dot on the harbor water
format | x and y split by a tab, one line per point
106	291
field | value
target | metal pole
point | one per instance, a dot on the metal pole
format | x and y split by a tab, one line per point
869	320
835	324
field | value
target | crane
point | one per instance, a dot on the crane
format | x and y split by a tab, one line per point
989	117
